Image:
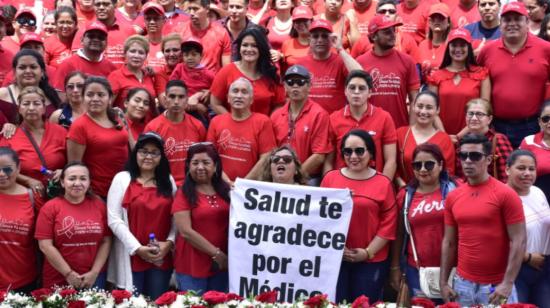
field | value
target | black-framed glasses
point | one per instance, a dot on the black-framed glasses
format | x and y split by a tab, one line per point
287	159
429	165
357	151
296	81
545	119
473	156
26	21
387	11
479	115
7	170
145	153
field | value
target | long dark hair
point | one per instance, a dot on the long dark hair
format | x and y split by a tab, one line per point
44	83
264	64
111	113
542	32
162	171
11	153
189	186
470	60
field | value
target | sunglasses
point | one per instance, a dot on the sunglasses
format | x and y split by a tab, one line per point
388	11
545	119
287	159
26	21
7	170
358	151
428	165
294	81
473	156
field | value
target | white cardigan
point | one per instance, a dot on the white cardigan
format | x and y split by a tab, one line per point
125	244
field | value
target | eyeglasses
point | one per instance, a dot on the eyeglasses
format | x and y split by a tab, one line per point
358	151
387	11
145	153
26	21
316	36
428	165
545	119
287	159
473	156
76	86
479	115
295	81
7	170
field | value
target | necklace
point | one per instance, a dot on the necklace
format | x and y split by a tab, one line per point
282	27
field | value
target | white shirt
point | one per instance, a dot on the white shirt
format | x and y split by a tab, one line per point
537	221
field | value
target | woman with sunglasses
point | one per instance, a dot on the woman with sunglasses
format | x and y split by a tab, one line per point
422	209
364	266
283	167
139	204
479	114
539	144
74	83
425	109
18	272
533	280
297	46
201	214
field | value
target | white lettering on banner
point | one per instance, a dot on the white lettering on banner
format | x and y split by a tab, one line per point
427	207
288	238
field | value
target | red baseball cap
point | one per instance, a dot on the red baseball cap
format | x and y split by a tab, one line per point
30	37
379	22
96	25
320	24
460	33
192	41
152	5
516	7
25	10
302	12
441	9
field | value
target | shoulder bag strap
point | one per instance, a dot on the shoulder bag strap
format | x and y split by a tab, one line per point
13	100
403	151
35	146
406	205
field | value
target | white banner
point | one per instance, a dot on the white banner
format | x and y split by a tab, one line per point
288	238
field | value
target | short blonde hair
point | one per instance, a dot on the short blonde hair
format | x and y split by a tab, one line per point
480	101
31	90
168	38
136	38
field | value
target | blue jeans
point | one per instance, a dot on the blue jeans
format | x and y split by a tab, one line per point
533	285
517	130
356	279
100	281
471	293
218	282
152	282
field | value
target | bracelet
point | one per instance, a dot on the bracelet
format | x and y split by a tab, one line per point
218	251
369	255
528	258
67	275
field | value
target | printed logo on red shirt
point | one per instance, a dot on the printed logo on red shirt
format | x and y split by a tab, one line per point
71	227
226	141
427	207
172	146
389	84
15	226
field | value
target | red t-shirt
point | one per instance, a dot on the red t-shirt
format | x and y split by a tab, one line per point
267	93
162	75
308	134
122	80
376	121
406	145
430	56
117	35
453	97
403	42
209	218
426	218
415	21
374	210
56	51
175	19
363	18
214	39
327	81
5	64
531	71
19	249
535	144
481	213
462	16
275	38
84	17
76	230
292	51
240	143
136	127
155	57
178	137
52	148
103	164
196	79
77	63
148	213
10	45
393	76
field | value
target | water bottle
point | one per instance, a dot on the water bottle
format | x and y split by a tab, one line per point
154	243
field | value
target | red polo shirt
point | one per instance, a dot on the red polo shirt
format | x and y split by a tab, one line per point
517	93
415	21
79	62
122	80
393	76
196	79
56	51
375	121
462	16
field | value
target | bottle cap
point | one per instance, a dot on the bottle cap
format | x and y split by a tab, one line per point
152	236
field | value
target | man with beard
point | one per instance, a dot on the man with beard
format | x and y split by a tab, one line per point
394	73
517	61
213	37
117	32
303	124
89	59
488	27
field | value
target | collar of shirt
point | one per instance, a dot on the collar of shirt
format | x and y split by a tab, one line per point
368	113
528	43
305	109
81	54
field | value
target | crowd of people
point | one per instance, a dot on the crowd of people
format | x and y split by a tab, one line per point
123	125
